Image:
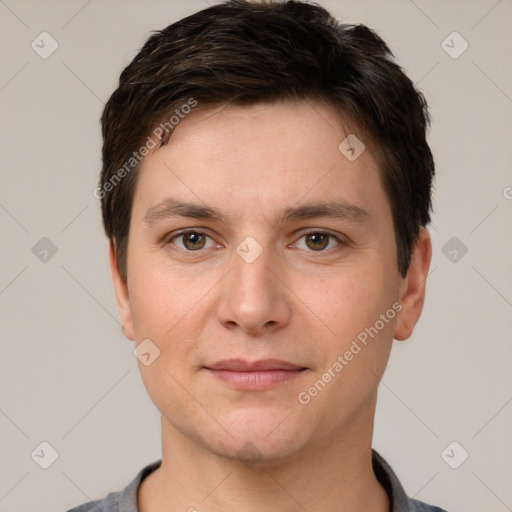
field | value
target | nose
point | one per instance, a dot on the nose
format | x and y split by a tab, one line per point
254	296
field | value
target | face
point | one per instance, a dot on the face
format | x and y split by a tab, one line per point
262	265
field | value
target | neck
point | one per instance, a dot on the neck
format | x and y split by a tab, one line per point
335	474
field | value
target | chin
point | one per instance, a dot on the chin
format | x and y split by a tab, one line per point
257	452
257	437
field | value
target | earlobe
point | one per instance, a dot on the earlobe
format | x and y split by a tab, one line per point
412	288
122	295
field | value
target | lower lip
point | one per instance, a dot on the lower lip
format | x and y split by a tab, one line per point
256	380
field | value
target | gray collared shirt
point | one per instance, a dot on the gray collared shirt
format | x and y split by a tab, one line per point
126	500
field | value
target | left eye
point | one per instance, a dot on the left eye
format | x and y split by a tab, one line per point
318	241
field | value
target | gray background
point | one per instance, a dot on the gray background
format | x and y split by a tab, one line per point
69	377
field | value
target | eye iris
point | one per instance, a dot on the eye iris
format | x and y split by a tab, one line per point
318	241
194	241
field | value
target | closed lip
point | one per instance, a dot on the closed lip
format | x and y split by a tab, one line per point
241	365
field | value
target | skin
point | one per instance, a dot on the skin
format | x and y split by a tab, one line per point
295	302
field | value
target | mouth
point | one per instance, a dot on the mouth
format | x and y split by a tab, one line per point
255	375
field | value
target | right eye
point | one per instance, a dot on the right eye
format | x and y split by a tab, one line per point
191	240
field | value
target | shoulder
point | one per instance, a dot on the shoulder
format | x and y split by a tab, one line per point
419	506
108	504
123	501
400	502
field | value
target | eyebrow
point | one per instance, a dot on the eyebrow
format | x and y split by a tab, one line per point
334	209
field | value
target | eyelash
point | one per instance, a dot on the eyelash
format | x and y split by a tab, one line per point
340	243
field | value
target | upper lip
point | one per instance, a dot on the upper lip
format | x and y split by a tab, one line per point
240	365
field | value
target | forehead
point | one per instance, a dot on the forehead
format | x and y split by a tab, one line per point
261	157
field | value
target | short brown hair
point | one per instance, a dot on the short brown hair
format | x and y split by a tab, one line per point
246	52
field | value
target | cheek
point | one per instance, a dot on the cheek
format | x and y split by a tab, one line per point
350	299
160	296
357	311
168	307
152	305
163	311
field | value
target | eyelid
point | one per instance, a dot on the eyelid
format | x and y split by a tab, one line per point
326	231
175	234
184	231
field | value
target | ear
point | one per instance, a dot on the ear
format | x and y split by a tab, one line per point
122	295
412	287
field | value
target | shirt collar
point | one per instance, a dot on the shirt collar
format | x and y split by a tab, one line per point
399	500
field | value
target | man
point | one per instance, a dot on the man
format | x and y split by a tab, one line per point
266	186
